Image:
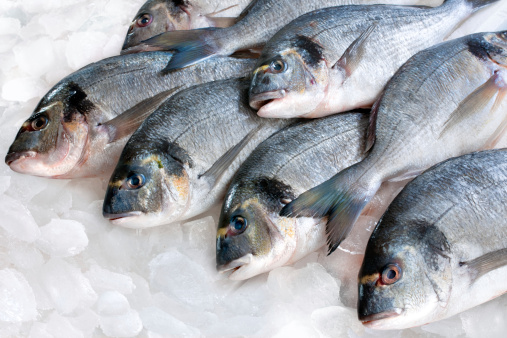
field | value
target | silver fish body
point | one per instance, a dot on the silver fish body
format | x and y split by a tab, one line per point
340	58
444	102
159	16
255	25
180	161
251	237
80	126
441	247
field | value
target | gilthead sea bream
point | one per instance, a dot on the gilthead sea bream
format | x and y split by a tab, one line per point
441	247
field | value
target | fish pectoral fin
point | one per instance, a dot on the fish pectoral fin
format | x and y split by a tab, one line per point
223	163
250	53
480	266
127	122
340	198
353	55
189	47
502	128
474	103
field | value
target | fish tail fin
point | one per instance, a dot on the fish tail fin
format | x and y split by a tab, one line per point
341	198
189	47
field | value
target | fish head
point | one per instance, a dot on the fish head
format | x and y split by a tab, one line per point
147	188
404	281
251	237
159	16
289	83
52	141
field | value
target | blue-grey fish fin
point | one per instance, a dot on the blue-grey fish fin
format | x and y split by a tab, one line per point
480	266
128	122
189	47
341	198
223	163
353	55
474	103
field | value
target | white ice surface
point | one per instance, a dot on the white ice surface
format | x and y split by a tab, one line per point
66	272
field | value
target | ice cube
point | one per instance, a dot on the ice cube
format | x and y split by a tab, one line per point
156	320
104	280
112	303
65	286
336	321
35	57
86	321
9	26
126	325
17	220
22	89
84	48
17	301
60	327
295	330
490	316
5	181
181	277
62	238
25	256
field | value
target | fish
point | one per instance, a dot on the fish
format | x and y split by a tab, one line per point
258	22
441	247
337	59
251	237
81	125
159	16
441	94
181	159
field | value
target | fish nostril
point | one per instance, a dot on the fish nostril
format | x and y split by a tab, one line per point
266	81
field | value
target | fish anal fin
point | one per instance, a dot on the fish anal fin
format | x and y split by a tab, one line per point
474	103
480	266
127	122
223	163
353	55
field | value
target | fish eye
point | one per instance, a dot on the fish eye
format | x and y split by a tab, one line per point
40	122
391	274
503	35
144	20
238	224
135	181
277	66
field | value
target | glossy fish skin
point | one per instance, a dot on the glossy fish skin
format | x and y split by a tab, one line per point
340	58
442	93
447	234
180	161
255	25
73	131
159	16
278	170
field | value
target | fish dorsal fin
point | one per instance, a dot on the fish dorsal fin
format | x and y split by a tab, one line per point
353	55
486	263
223	163
128	122
372	125
474	103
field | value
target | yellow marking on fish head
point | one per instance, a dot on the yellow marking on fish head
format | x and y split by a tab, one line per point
181	185
369	279
261	69
221	232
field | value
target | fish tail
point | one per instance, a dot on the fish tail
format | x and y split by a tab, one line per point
189	47
341	198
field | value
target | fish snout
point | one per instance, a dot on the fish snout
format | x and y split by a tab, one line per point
14	156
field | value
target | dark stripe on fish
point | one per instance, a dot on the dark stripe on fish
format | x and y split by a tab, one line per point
312	51
273	191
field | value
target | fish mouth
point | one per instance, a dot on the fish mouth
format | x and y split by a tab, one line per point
235	265
372	321
123	217
13	157
259	100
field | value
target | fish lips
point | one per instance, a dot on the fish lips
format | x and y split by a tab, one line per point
235	265
123	219
375	321
259	100
12	157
